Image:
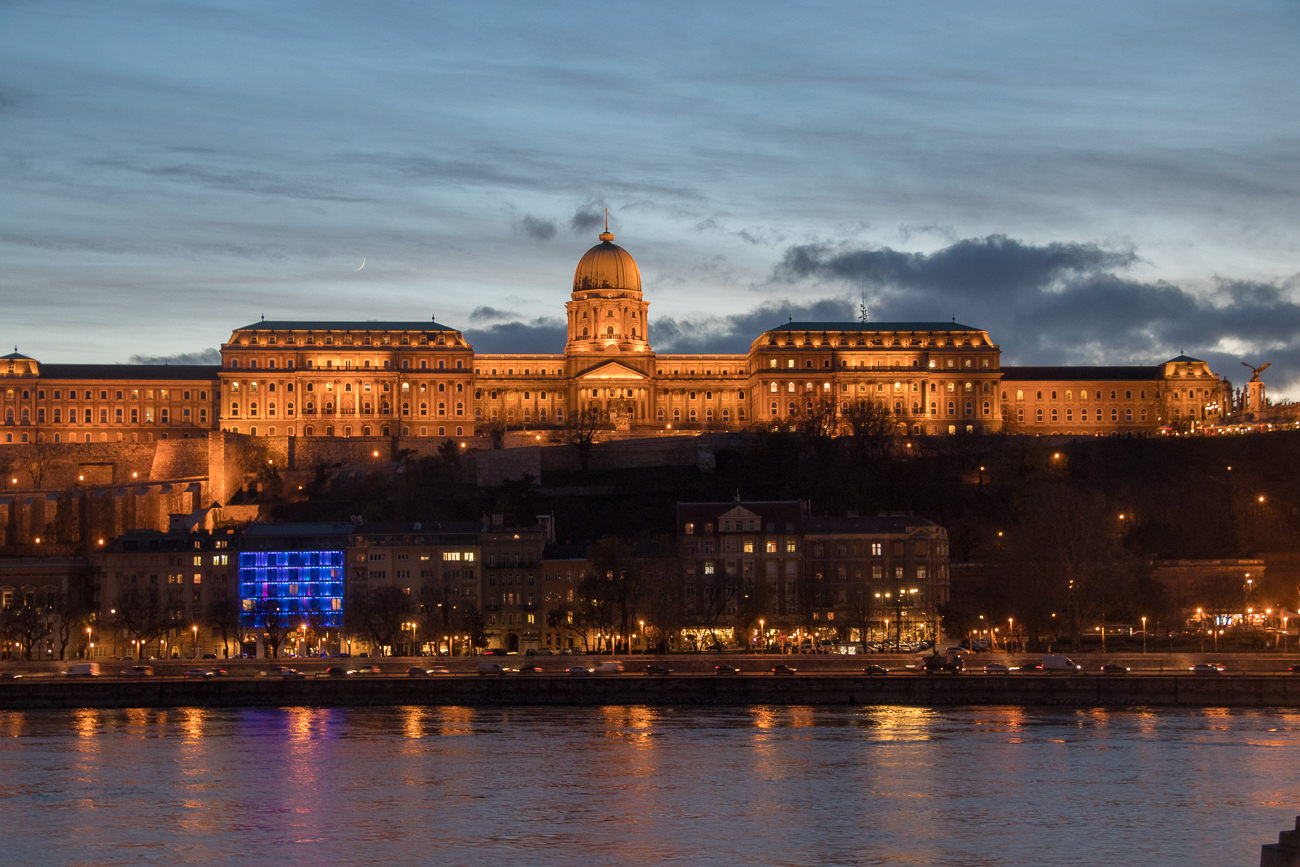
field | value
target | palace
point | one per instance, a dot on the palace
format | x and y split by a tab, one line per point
423	379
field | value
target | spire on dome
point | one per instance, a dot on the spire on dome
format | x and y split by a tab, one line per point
607	236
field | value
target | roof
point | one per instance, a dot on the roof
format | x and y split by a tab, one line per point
784	511
874	326
16	356
130	371
304	529
418	528
1080	374
343	325
555	551
866	524
1185	358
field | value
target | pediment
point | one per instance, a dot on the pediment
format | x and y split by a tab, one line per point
613	370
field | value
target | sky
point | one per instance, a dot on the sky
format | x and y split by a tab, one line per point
1099	183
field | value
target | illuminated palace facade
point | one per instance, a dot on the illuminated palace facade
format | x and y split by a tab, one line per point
422	379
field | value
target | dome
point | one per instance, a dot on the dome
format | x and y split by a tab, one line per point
607	266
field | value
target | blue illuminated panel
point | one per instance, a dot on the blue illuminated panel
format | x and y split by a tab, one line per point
302	582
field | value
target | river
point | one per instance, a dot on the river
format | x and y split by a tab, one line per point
633	785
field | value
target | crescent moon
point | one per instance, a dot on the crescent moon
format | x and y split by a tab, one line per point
363	264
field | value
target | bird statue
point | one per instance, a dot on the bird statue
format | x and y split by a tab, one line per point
1257	370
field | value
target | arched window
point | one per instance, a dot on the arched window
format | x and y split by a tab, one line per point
460	409
584	330
442	408
424	409
406	408
610	331
986	407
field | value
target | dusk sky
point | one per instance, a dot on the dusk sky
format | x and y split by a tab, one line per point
1093	183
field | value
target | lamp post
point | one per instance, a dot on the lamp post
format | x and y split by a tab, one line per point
1102	630
194	631
88	643
762	631
1144	635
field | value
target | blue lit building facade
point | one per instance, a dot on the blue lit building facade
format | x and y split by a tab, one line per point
298	585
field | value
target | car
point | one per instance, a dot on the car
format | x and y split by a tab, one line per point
577	671
609	666
539	651
439	670
336	671
725	669
291	674
496	651
530	669
491	668
1207	668
996	668
1114	668
654	668
367	669
218	672
81	669
416	671
9	675
138	671
198	672
875	669
1030	666
955	649
784	669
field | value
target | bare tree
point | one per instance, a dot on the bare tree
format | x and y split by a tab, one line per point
871	423
380	614
141	615
581	431
222	614
816	415
269	615
617	579
28	621
74	610
39	458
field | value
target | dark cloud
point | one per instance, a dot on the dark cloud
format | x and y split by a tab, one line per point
543	334
736	332
488	314
206	356
1063	303
589	216
541	230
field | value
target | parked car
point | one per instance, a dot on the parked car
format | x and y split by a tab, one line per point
137	671
996	668
209	656
1207	668
416	671
654	668
577	671
540	651
875	669
725	669
336	671
783	669
1113	668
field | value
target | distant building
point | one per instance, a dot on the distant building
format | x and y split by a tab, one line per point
310	378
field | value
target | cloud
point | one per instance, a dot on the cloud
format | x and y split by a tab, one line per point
589	216
206	356
541	230
1063	303
488	314
736	332
544	334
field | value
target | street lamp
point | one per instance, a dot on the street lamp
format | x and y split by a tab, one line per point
1144	635
195	631
1102	630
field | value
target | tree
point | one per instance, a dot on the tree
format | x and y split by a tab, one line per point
39	458
270	616
618	580
73	609
28	621
475	626
581	431
222	614
871	424
381	613
140	614
815	415
662	606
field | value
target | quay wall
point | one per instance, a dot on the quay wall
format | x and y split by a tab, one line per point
1180	690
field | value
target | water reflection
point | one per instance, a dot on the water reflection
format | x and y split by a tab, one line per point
625	785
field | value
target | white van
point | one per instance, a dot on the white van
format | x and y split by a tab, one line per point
609	666
1057	662
83	669
491	668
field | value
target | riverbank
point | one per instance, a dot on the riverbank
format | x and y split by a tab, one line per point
1079	690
